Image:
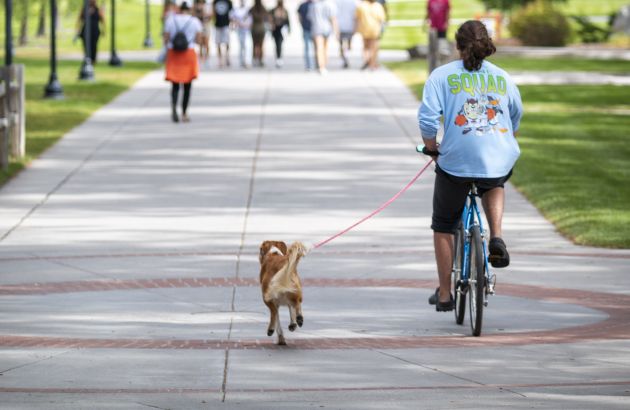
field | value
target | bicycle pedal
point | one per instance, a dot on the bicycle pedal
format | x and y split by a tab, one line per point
492	283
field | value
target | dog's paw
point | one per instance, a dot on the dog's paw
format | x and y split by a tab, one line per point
269	332
300	320
292	327
282	342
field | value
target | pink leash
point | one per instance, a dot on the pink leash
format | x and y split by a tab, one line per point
380	208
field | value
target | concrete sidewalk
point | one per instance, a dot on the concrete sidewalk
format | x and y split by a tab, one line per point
128	274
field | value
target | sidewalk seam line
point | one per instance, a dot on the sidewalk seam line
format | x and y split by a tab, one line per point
250	195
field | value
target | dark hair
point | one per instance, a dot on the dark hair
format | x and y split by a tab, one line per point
474	44
184	7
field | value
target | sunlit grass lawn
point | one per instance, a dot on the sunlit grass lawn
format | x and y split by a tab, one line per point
130	28
49	120
575	161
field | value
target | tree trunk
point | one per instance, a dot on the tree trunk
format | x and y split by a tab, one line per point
23	30
41	24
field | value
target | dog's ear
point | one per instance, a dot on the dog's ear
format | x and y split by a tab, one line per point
282	246
264	248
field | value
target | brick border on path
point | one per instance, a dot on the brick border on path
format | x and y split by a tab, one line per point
175	390
616	326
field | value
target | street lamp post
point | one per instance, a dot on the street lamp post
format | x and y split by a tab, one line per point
148	41
113	59
87	69
8	36
53	88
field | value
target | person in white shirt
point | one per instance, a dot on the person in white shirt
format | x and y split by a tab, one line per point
323	16
346	10
242	22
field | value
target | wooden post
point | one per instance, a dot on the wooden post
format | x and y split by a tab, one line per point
18	129
5	117
12	114
433	54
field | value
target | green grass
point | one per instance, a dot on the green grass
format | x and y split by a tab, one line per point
562	64
575	160
130	28
48	120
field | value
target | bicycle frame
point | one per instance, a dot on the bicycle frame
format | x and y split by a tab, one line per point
472	216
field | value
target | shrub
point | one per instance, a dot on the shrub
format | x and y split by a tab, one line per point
539	24
589	32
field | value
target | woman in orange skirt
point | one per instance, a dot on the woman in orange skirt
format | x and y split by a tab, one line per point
181	32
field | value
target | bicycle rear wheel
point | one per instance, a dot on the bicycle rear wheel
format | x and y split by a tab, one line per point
458	265
477	281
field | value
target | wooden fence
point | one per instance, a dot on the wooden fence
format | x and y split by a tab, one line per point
12	114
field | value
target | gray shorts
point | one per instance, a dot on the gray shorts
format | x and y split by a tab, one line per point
345	36
222	35
449	197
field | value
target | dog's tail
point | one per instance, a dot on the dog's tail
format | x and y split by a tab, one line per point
283	280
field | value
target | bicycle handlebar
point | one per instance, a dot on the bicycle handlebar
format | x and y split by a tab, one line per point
421	148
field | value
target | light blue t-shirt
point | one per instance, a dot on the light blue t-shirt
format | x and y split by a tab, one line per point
482	110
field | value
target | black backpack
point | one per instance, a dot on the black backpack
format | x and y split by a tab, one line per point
180	42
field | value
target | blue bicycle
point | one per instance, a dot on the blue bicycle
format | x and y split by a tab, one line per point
471	277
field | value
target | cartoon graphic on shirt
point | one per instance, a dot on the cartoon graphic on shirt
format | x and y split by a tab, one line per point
480	115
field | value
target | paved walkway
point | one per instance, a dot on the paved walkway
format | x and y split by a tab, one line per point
128	265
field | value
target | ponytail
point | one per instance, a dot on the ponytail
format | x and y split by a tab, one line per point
474	44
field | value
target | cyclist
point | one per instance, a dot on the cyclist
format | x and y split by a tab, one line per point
481	108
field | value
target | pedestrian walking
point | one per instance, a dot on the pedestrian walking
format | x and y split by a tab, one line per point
242	22
279	20
323	16
260	22
346	18
203	12
370	19
437	15
221	10
181	32
305	22
479	145
97	22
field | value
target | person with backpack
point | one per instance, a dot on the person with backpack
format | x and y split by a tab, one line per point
181	32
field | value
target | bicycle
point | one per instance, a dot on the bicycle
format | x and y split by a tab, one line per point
471	271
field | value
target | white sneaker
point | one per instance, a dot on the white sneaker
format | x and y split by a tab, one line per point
323	71
279	63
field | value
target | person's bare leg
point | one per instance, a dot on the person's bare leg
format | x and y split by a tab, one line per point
319	52
443	243
493	202
375	48
220	55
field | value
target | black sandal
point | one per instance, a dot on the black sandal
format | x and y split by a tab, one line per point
434	299
499	256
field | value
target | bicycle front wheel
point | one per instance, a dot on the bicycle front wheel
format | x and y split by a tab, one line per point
459	289
477	281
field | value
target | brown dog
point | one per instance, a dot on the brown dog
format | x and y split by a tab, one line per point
281	284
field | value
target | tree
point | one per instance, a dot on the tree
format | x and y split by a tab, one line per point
507	5
21	12
41	19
